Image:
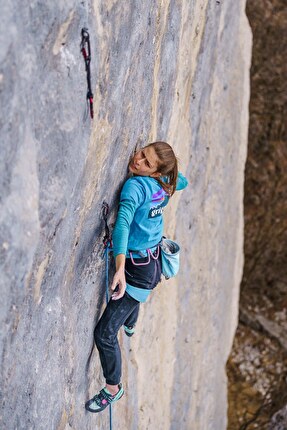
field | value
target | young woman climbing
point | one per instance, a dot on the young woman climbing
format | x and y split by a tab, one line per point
136	237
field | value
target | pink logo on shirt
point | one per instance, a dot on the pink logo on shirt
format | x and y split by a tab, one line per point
159	196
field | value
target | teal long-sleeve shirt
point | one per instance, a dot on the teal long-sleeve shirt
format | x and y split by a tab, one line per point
139	223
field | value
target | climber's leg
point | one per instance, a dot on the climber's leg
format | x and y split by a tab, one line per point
105	334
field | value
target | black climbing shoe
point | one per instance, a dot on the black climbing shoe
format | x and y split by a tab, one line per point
100	401
129	330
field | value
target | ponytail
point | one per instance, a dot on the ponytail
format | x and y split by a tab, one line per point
167	167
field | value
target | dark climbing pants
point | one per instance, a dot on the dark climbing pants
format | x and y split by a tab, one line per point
118	312
123	311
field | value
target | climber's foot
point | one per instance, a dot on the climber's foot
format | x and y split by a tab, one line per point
129	330
103	399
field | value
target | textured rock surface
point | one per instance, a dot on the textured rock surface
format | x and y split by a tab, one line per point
279	420
177	71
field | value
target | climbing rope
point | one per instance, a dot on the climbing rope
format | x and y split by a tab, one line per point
108	245
86	51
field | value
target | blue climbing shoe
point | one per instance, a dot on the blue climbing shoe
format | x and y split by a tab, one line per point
129	330
100	401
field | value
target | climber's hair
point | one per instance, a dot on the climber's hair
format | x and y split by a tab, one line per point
168	166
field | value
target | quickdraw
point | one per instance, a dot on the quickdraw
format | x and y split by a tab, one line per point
107	240
86	51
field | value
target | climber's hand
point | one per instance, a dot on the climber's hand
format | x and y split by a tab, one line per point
120	282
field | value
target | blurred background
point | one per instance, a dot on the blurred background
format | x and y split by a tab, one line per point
257	367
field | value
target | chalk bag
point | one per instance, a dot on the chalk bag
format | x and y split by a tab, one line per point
170	251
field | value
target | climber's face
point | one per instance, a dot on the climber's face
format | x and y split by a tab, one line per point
145	163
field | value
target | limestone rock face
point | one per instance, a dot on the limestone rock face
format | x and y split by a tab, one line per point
174	71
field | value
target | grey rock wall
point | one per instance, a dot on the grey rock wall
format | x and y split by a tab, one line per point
176	71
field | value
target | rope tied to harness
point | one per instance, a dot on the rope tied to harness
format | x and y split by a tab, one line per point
86	51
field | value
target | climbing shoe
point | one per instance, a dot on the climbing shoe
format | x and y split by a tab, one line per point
129	330
100	401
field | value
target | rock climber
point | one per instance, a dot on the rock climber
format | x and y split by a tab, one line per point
136	237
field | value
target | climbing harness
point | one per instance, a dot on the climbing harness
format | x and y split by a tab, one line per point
86	51
150	255
108	245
